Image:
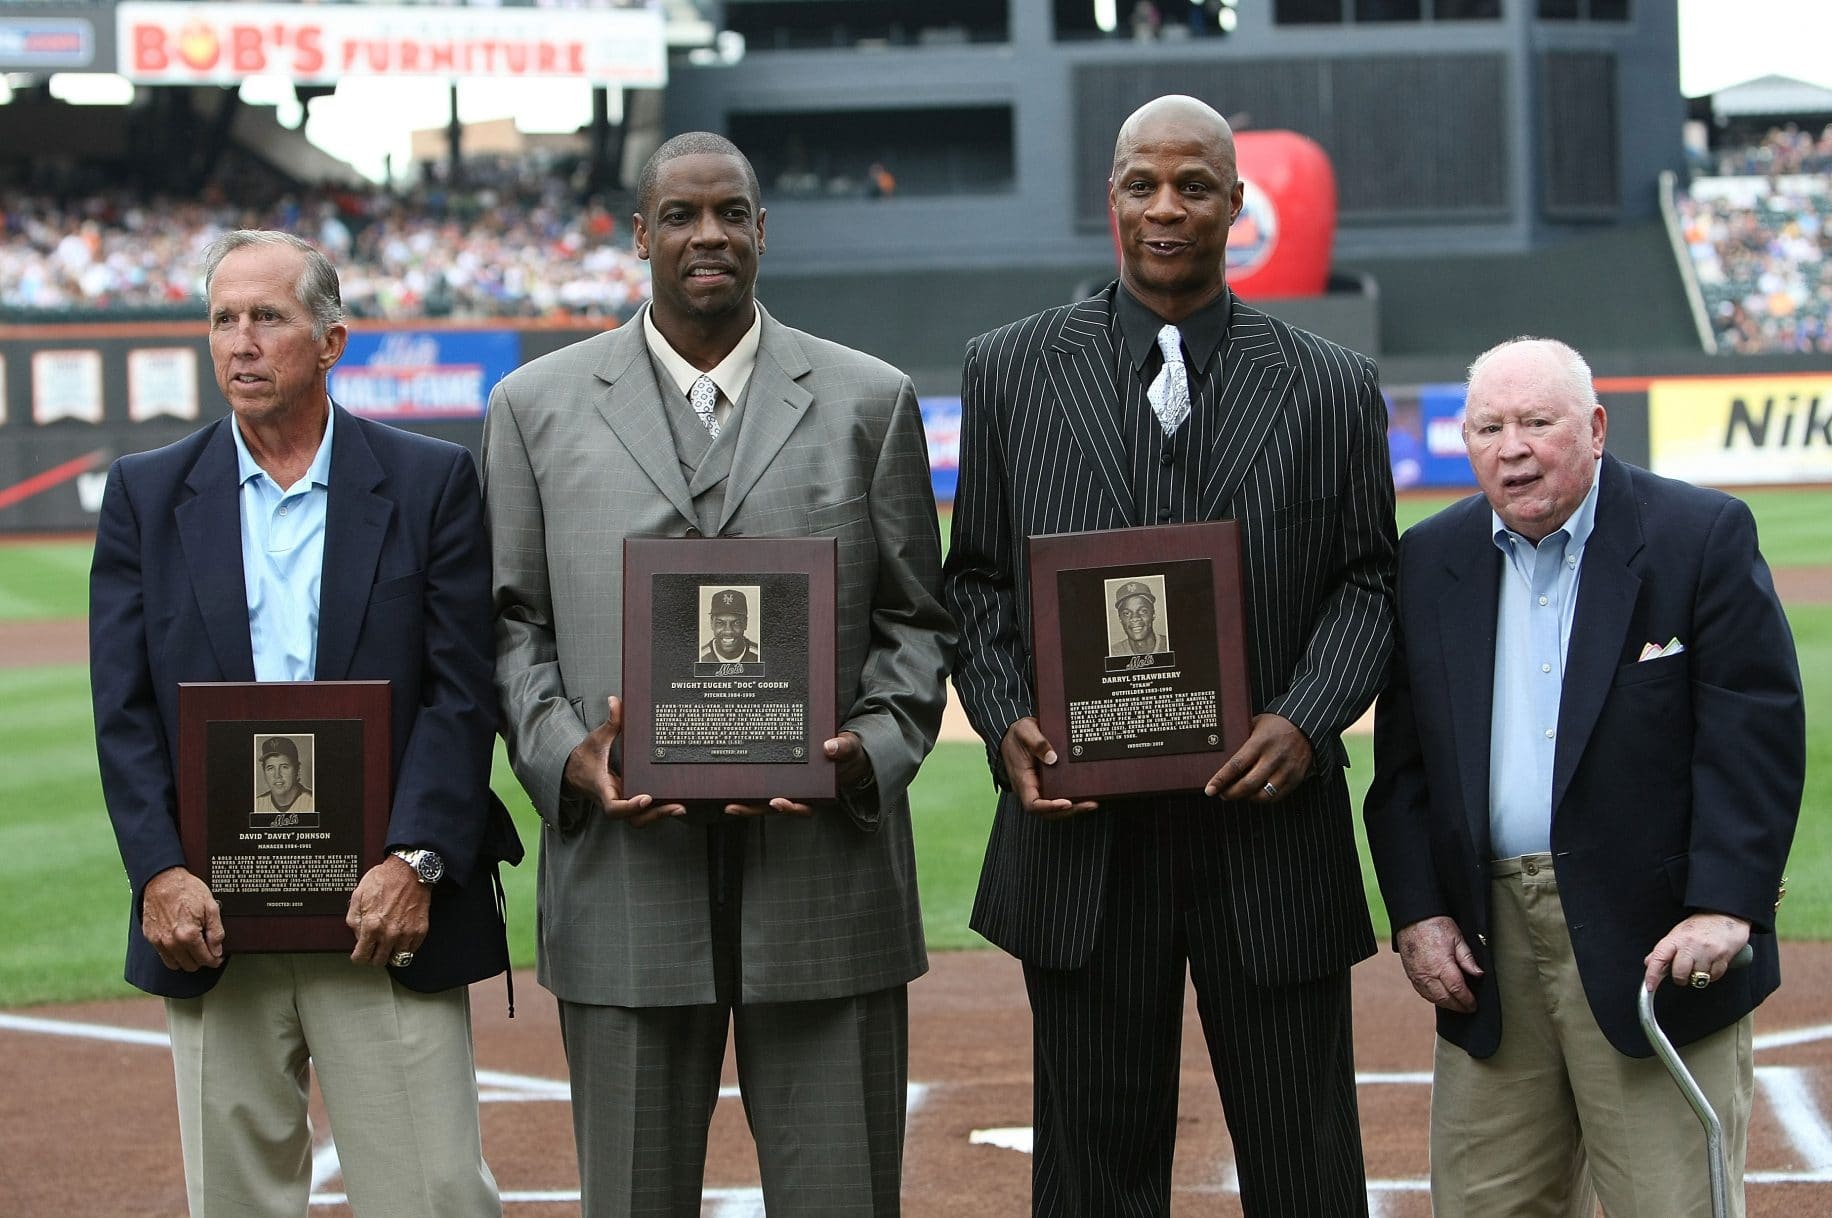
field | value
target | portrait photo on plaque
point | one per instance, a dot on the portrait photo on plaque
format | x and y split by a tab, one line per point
1138	630
283	783
728	644
727	706
1138	702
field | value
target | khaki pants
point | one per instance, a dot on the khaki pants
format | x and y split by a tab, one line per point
1557	1111
397	1074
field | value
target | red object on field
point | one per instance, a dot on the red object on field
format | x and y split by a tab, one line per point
1282	240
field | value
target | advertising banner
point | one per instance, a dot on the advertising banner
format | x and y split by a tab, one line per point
403	375
1740	431
1425	436
170	43
46	43
941	421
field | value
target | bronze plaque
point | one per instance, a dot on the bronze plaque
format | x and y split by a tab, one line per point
284	794
728	668
1141	660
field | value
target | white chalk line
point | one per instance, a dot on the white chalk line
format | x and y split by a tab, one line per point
84	1031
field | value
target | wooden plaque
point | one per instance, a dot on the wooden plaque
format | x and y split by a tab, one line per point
1139	643
284	793
728	668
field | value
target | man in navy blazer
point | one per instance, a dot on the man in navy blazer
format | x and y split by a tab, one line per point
1589	764
294	541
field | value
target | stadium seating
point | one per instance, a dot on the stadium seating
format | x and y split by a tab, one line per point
511	243
1760	235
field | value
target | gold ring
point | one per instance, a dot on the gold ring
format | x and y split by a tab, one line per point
401	959
1700	979
1272	792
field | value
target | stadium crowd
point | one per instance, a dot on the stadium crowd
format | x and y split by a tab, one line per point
1784	150
1760	239
509	244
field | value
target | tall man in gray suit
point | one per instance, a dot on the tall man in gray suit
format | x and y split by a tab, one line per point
797	923
1166	399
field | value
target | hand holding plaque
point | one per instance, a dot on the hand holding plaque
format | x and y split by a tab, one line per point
851	769
1273	762
589	774
1024	752
182	921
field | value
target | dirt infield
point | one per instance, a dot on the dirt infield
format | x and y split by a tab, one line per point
87	1119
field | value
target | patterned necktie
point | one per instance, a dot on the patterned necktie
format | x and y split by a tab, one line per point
1170	392
703	397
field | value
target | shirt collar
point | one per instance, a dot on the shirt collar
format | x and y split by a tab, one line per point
318	473
1204	332
1577	528
730	374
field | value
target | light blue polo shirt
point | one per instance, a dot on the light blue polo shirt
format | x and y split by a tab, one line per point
283	560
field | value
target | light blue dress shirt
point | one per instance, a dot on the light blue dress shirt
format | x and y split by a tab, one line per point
283	560
1537	604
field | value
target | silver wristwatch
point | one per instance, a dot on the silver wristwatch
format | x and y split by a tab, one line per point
427	866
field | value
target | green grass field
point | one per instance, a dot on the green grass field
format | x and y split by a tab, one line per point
44	579
63	893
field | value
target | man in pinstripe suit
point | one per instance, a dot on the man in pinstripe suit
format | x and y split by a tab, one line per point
1253	881
797	924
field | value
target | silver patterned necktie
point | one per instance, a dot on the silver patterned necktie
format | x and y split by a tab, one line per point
1170	392
703	397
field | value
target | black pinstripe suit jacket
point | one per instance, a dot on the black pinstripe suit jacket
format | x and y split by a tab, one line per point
1300	460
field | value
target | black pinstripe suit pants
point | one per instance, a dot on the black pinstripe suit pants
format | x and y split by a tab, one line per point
1107	1042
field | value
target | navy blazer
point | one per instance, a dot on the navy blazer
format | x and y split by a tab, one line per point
405	598
1676	781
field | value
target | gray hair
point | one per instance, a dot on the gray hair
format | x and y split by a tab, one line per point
1575	372
317	289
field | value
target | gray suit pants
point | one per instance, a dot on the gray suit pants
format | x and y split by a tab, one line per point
823	1085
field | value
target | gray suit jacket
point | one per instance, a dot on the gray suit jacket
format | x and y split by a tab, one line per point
577	457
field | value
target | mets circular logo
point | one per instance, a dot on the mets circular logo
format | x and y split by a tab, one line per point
1255	233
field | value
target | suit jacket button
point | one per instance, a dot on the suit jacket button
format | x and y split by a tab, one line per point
692	532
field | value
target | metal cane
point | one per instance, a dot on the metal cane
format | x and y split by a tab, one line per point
1688	1087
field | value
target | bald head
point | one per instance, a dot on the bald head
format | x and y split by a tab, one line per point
1188	117
1174	193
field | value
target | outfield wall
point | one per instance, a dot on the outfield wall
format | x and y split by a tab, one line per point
72	398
